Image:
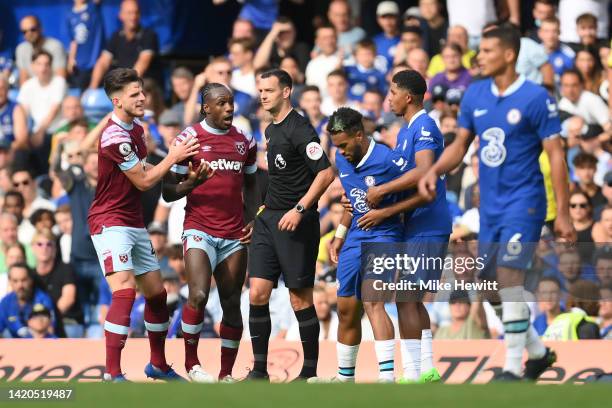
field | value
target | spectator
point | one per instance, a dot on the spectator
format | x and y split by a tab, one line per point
71	112
328	319
570	268
548	296
605	313
459	36
372	105
585	166
13	205
24	183
603	265
339	15
290	65
387	16
310	103
602	231
15	253
63	219
13	122
542	10
337	89
241	53
455	75
39	323
588	64
581	214
606	190
133	46
589	143
42	219
59	281
580	27
363	76
80	184
158	234
17	305
326	61
560	56
182	83
578	322
261	14
34	43
468	320
66	146
418	60
577	101
86	39
411	38
281	42
435	25
474	17
243	28
41	97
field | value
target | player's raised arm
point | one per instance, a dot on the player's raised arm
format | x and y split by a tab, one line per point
143	179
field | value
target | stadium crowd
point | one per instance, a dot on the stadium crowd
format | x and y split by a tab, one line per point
52	110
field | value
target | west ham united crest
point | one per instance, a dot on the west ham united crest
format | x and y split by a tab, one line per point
240	147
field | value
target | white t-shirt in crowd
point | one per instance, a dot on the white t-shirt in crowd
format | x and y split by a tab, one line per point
328	106
175	219
317	70
472	16
244	82
37	99
570	10
590	107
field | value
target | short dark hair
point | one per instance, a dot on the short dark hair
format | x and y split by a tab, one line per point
603	253
246	43
284	79
583	159
174	251
574	71
368	44
586	18
550	279
345	120
338	72
207	90
14	193
411	81
21	265
412	29
311	88
82	122
37	215
116	79
507	35
38	53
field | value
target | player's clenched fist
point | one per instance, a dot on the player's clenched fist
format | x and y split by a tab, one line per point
180	150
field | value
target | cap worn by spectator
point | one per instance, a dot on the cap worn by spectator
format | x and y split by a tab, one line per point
170	118
39	310
592	132
387	8
157	228
412	12
438	93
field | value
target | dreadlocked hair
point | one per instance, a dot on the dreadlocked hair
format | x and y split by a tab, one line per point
206	91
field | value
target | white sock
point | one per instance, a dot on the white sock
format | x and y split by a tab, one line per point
516	325
535	347
411	358
426	351
347	357
385	352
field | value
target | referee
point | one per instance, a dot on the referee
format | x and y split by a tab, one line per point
286	232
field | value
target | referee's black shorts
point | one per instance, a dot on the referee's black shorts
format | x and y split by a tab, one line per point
294	254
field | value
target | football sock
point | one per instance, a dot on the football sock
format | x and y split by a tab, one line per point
116	328
385	350
309	334
535	347
156	320
516	323
411	358
191	325
260	328
230	341
426	350
347	357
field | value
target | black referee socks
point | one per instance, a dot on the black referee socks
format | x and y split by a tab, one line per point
260	328
309	333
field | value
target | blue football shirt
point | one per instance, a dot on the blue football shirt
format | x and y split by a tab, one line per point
363	79
378	166
511	128
433	219
85	27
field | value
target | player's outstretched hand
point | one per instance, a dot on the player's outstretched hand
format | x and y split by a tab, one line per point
334	249
374	196
179	151
564	230
199	175
427	185
346	203
248	233
371	219
290	220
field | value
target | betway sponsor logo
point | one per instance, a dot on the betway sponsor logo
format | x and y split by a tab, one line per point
224	164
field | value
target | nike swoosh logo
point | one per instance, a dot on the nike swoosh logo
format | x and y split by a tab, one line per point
480	112
343	175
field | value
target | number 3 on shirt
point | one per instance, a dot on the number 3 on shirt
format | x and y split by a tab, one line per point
494	153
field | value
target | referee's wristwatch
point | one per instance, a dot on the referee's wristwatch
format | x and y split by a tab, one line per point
300	208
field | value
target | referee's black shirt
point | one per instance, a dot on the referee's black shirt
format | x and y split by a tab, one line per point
295	157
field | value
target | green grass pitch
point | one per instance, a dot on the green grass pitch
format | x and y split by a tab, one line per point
296	395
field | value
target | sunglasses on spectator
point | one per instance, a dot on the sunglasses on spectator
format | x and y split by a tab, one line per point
580	205
29	30
21	183
47	244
